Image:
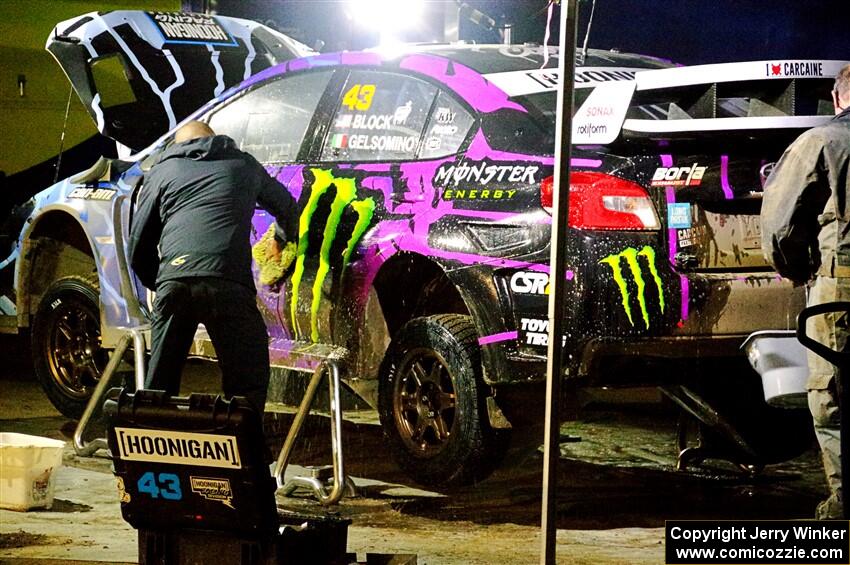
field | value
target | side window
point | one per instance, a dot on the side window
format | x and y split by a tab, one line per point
379	118
270	122
446	129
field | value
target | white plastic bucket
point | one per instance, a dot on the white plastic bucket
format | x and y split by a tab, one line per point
781	361
27	469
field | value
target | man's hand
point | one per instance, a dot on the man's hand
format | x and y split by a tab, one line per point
283	255
273	250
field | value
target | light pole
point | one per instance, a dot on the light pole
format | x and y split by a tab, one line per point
557	280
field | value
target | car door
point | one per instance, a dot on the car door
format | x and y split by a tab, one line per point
355	180
273	122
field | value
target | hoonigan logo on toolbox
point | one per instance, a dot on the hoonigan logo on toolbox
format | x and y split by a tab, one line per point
213	489
180	448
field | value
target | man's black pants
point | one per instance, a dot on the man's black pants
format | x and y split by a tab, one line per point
229	312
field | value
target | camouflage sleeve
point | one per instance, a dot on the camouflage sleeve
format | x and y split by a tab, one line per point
794	195
145	231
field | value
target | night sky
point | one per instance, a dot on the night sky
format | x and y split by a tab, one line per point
685	31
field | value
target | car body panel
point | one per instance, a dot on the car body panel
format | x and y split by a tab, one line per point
140	73
98	206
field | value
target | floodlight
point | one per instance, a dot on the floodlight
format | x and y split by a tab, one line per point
386	16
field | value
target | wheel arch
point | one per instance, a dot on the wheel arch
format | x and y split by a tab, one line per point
68	357
392	297
55	245
410	285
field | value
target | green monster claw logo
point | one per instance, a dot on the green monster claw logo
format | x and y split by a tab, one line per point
346	191
630	254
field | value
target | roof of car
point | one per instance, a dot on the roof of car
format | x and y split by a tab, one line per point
527	56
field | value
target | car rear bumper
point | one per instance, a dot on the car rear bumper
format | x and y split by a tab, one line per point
652	317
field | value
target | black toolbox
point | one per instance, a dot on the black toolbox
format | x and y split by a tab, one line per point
192	481
302	540
194	462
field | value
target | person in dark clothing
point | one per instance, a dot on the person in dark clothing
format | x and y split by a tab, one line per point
190	242
806	234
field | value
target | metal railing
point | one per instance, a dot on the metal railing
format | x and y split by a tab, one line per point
137	336
340	483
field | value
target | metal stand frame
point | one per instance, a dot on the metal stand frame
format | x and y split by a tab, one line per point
340	482
560	324
693	405
136	335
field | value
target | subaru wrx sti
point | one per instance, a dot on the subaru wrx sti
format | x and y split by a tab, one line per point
424	184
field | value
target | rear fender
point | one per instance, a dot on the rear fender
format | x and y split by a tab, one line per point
37	263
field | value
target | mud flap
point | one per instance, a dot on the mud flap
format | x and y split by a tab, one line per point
497	418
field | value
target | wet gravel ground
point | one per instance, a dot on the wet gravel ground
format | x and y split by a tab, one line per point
617	483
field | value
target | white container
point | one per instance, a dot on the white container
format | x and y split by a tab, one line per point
27	468
780	359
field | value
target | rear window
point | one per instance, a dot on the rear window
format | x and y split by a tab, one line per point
446	129
532	132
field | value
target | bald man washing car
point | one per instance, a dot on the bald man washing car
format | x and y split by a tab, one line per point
190	241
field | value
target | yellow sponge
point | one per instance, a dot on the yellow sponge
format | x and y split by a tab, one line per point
272	269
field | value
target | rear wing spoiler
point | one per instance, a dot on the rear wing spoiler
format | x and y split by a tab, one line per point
689	102
731	97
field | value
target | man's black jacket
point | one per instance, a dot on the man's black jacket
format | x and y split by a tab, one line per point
196	205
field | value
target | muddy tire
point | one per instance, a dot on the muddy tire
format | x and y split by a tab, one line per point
432	403
66	346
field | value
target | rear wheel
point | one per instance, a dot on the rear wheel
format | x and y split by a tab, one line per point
432	402
66	345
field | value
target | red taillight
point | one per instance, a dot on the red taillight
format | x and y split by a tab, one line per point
604	202
547	189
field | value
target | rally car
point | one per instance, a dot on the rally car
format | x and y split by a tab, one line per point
424	183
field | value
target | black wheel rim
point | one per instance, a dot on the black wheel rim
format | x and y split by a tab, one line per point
424	402
74	354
